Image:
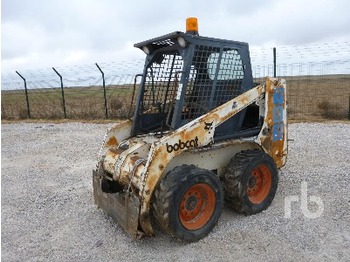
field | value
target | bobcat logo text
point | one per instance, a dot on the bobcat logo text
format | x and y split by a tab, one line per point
182	145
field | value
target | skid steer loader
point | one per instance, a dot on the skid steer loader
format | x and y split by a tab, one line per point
202	134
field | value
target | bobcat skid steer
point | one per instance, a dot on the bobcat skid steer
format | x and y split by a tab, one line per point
202	133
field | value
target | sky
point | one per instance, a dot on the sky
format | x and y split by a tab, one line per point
45	33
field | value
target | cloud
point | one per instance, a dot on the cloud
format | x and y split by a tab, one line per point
302	22
45	33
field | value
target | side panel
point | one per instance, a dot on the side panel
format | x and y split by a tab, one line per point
215	158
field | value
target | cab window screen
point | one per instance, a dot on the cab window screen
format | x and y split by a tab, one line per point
230	67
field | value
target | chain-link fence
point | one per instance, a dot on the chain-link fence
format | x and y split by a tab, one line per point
84	93
317	96
318	84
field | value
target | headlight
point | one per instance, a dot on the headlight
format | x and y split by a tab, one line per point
146	50
181	41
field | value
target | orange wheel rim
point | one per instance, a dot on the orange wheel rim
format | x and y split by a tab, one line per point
197	206
259	184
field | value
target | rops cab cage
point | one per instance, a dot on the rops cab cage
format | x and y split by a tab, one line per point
186	76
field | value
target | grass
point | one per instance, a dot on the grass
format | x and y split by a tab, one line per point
80	102
309	98
318	97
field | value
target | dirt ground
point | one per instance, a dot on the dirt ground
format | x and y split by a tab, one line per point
48	214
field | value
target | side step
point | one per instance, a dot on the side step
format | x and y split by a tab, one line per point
122	207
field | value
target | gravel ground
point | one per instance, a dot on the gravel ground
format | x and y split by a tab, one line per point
47	211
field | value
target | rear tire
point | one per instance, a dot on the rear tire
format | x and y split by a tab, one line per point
250	181
188	202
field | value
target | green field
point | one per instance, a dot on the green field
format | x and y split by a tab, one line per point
309	97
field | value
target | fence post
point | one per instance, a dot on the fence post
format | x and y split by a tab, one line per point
349	108
26	92
274	62
104	89
63	101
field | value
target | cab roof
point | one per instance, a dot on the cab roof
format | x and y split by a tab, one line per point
171	39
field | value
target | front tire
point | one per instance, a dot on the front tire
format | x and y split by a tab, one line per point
188	202
250	181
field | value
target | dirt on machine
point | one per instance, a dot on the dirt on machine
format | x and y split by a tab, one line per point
202	133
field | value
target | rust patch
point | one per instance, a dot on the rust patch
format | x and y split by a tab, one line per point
274	148
133	159
113	152
160	159
112	141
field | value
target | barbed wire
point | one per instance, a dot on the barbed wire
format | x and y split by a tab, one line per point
324	58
